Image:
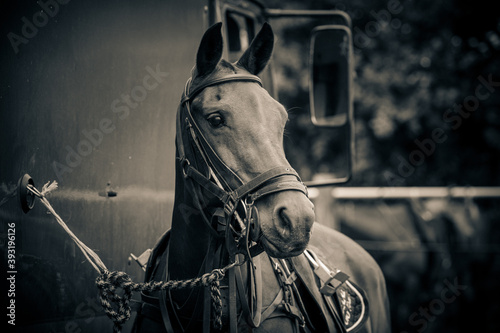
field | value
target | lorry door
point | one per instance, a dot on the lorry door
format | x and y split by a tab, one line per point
311	75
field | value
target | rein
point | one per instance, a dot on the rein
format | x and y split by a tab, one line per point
236	217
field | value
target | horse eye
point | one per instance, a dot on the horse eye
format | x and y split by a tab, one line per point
215	120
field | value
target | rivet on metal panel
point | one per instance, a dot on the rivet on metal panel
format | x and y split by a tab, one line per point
108	192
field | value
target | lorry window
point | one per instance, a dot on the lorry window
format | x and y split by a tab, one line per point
241	26
240	32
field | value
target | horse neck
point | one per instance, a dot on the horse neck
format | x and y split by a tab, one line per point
190	237
190	240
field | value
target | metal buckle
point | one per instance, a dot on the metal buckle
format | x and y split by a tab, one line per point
185	164
326	275
329	288
251	218
253	224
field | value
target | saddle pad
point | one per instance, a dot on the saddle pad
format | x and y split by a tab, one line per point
353	305
345	300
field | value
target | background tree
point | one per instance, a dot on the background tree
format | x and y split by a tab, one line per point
427	112
418	66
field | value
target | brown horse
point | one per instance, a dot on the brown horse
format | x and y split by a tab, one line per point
241	206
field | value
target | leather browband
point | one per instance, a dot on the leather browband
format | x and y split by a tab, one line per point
189	95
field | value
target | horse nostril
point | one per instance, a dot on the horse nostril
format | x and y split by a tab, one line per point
285	223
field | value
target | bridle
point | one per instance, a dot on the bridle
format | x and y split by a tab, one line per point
236	197
227	206
235	219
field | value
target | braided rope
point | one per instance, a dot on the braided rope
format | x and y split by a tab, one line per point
118	308
109	283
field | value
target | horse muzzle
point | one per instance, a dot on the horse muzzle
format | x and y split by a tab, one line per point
286	224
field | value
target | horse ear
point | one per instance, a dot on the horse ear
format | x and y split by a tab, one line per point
259	52
210	50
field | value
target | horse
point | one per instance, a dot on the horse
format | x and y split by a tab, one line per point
242	211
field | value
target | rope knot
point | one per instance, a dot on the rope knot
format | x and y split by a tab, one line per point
113	284
117	307
217	275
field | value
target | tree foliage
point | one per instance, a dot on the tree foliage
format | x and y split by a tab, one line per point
425	114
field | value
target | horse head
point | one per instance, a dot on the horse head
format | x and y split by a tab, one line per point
237	128
236	195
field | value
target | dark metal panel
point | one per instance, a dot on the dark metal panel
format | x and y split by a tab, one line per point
88	100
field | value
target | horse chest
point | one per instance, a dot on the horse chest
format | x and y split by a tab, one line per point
289	298
285	305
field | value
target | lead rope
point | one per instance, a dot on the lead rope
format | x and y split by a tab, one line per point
117	307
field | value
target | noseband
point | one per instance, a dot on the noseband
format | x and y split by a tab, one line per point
214	176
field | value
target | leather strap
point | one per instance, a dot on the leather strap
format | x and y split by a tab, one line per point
335	314
272	307
199	206
263	178
207	184
208	153
189	95
253	318
167	322
164	312
277	187
207	304
233	311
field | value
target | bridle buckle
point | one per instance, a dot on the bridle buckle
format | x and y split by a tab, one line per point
184	165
